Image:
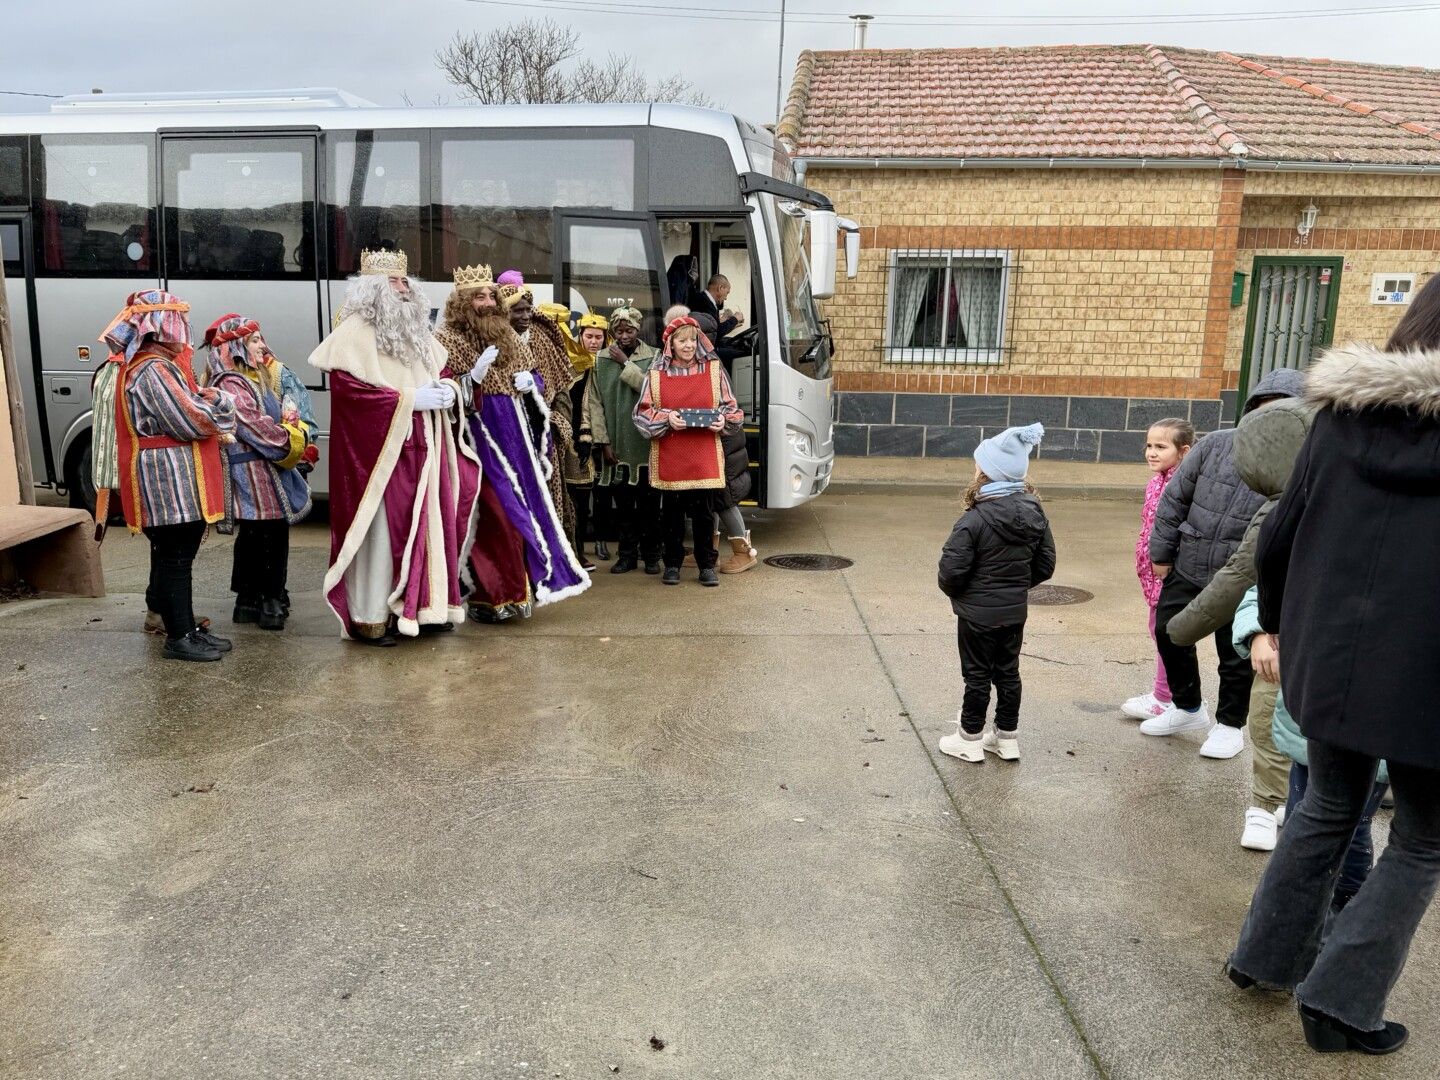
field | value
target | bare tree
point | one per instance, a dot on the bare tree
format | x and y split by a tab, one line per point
528	63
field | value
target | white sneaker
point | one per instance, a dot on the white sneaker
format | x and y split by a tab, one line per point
1175	720
1006	749
1224	742
1260	829
1144	707
958	746
1280	817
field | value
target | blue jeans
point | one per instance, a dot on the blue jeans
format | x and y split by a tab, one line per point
1279	947
1360	856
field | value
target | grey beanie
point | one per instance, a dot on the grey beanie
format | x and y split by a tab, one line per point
1006	457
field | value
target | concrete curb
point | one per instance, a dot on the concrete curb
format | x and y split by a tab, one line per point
1067	492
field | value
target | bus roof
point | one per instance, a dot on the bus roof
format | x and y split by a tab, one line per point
336	110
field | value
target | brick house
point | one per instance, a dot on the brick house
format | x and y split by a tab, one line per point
1098	236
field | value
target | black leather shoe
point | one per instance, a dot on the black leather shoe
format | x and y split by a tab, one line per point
272	615
220	644
1327	1035
652	568
246	611
709	578
190	647
1239	978
385	641
437	628
602	551
624	565
672	575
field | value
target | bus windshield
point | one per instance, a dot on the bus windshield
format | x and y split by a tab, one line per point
804	339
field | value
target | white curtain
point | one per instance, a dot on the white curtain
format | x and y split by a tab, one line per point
975	294
911	285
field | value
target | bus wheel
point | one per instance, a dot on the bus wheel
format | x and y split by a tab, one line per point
79	476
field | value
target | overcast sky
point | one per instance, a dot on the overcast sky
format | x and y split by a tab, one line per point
381	49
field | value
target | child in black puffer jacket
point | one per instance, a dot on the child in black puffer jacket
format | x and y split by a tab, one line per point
998	551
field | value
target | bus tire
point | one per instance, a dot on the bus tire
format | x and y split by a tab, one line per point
79	476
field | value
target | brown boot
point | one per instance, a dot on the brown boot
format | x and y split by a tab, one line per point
743	557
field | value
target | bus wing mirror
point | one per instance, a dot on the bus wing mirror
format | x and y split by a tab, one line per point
822	253
852	246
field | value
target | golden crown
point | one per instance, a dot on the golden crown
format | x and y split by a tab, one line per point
473	277
389	263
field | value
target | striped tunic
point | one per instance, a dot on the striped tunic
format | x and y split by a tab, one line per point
264	449
161	402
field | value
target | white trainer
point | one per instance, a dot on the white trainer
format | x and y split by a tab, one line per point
958	746
1006	749
1224	742
1260	830
1144	707
1280	817
1175	720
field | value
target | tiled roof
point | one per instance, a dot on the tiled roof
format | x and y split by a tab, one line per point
1105	101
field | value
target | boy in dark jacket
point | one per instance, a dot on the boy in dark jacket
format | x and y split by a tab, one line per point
1201	520
997	552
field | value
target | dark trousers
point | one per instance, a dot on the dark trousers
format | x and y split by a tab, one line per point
1351	978
580	498
172	557
1182	664
990	656
1360	855
637	508
262	561
694	507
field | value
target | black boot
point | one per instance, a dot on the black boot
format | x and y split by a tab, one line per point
1329	1036
247	609
190	647
602	550
709	578
624	564
652	566
672	575
272	615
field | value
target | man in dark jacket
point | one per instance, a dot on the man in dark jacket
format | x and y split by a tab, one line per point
1201	520
998	551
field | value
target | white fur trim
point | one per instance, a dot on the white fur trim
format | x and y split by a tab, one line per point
1358	376
407	627
457	614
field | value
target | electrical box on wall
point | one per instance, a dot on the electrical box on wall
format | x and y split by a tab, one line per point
1391	288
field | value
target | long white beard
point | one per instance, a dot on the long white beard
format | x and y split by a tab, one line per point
401	323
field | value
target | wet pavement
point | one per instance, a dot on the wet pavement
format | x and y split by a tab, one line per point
656	832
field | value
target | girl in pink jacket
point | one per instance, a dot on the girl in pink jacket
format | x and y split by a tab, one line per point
1166	445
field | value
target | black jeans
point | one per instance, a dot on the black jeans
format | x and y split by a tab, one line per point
990	656
637	508
695	507
1360	855
1279	947
172	556
262	561
1182	664
580	499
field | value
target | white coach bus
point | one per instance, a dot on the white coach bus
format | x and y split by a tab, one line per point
261	203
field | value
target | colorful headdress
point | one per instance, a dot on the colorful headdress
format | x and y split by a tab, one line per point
511	277
231	327
152	313
226	338
559	314
513	288
469	278
389	263
676	324
626	315
593	321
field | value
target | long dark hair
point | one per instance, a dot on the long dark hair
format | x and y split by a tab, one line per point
1420	327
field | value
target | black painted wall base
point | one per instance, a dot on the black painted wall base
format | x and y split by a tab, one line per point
951	425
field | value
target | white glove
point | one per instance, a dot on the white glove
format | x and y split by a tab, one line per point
483	362
434	396
524	382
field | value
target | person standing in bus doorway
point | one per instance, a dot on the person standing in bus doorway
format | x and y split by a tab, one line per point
404	476
165	432
520	557
620	372
268	493
683	390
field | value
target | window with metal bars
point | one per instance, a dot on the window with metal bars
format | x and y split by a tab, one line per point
947	306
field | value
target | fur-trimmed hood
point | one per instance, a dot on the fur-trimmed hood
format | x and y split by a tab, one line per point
1357	377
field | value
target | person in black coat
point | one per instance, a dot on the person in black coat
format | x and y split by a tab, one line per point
998	551
1348	580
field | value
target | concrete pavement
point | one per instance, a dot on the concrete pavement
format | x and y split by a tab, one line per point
711	818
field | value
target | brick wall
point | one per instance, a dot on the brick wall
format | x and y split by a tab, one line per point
1120	303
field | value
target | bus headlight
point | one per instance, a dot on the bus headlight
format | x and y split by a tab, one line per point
800	442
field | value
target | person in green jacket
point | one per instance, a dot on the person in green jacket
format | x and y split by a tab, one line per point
620	372
1289	740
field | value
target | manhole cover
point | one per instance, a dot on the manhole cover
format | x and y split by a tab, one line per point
1056	595
809	562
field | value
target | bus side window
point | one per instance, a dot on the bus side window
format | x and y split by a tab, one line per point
96	205
14	176
379	190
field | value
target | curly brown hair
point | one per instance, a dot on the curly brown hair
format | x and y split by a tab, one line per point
971	495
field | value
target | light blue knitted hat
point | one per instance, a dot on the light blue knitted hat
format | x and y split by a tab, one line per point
1006	457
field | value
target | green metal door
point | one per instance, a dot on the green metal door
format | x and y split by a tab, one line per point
1292	315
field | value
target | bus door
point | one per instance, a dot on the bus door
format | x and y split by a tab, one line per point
241	235
20	297
606	259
